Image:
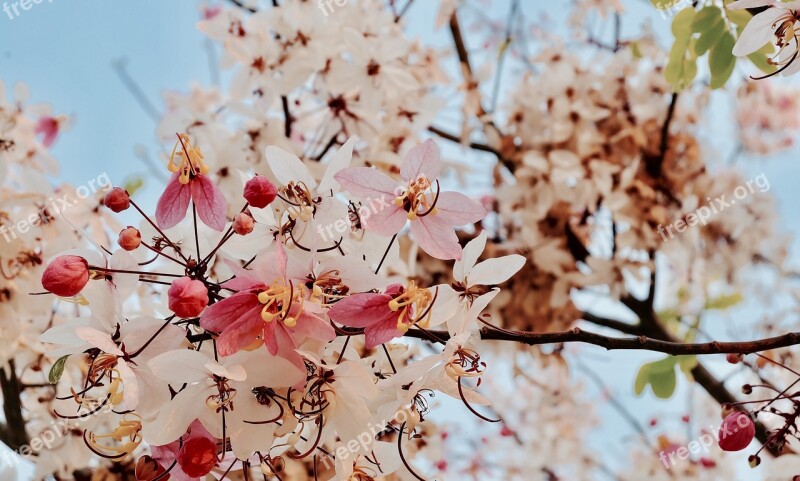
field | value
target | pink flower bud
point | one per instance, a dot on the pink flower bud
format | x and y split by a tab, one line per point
187	297
66	276
117	200
260	192
243	223
736	432
130	239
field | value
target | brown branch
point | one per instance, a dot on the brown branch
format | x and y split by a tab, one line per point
630	343
12	433
474	145
241	5
287	115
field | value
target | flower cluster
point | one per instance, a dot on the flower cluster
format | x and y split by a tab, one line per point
257	355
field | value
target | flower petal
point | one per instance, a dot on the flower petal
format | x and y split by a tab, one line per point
436	237
496	270
367	183
173	203
422	160
288	167
361	310
458	209
212	207
758	32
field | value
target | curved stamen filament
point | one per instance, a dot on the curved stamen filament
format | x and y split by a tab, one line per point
413	297
278	302
128	430
188	160
419	198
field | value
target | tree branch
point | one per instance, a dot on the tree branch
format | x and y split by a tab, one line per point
12	433
631	343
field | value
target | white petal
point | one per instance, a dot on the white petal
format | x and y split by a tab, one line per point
98	339
181	366
287	167
758	32
470	255
177	415
341	160
495	271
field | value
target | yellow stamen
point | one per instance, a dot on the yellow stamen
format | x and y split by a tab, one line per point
187	167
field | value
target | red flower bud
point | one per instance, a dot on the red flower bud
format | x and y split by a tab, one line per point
734	358
260	192
736	432
243	223
66	276
130	239
117	200
187	297
197	457
147	469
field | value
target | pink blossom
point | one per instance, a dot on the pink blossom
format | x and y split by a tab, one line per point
190	182
187	297
269	308
382	316
433	214
49	128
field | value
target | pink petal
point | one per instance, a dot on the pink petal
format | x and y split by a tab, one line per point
225	312
240	333
422	160
366	183
173	203
458	209
384	217
309	325
436	237
48	126
211	205
380	333
361	310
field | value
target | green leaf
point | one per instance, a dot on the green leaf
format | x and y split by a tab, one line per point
706	19
663	384
710	36
682	66
724	301
57	370
721	61
134	184
660	375
642	379
687	363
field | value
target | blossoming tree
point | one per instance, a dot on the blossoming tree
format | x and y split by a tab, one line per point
321	274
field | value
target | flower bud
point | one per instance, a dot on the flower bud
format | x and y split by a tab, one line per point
736	432
243	223
130	239
66	276
734	358
187	297
260	192
117	200
197	457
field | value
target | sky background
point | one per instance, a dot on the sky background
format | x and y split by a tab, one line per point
64	51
